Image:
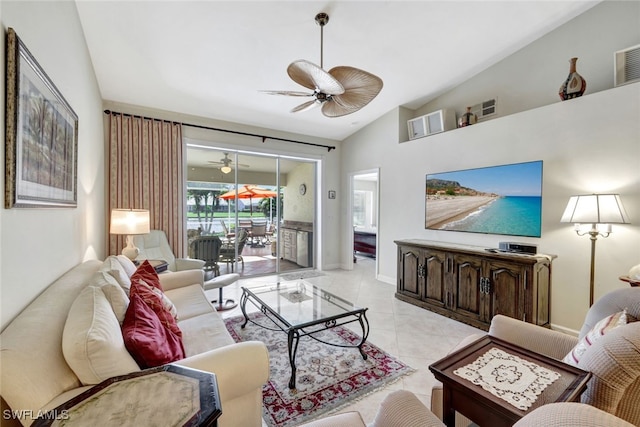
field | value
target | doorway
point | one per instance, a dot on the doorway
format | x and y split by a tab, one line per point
253	202
365	215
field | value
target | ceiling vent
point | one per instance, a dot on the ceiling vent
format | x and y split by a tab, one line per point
485	109
627	66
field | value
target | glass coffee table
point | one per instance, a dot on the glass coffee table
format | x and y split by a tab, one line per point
301	309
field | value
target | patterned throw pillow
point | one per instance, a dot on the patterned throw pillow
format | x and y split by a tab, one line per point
146	282
598	330
147	338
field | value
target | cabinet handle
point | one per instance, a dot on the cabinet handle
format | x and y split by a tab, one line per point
485	285
420	273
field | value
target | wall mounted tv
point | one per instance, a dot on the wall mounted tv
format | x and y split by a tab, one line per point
504	199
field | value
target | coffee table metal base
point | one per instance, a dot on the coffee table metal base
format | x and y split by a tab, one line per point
295	332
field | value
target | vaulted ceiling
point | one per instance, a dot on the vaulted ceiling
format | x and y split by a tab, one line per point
213	58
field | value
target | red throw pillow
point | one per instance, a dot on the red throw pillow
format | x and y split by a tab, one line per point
158	302
146	272
148	341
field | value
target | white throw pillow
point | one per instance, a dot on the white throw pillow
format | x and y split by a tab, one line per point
112	266
598	330
127	264
113	291
92	341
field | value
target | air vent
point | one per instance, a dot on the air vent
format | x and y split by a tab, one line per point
627	66
485	109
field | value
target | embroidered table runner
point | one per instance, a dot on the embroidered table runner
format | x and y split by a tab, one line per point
511	378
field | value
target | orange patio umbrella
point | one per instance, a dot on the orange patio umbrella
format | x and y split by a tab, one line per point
248	192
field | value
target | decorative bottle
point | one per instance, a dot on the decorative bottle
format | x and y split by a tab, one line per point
575	85
467	119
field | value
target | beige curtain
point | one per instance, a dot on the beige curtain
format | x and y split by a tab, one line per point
145	171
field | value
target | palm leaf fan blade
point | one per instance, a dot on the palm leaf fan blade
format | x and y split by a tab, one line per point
360	86
312	77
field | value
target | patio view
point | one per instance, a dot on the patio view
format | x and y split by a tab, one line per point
252	204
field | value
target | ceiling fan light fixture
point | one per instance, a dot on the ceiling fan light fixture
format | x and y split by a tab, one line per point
340	91
225	169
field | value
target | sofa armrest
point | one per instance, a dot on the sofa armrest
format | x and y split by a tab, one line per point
179	279
240	368
189	264
532	337
570	414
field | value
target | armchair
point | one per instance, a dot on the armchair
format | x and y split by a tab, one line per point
402	408
614	359
156	246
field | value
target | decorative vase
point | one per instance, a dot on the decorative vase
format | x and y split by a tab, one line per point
575	85
467	119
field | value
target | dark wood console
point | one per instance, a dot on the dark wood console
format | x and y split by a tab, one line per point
471	285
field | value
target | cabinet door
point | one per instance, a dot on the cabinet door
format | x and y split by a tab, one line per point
466	286
409	271
434	281
505	291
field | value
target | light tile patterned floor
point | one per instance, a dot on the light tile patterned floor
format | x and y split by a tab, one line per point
416	336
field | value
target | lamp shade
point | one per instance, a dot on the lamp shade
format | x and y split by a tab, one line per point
225	169
129	221
595	209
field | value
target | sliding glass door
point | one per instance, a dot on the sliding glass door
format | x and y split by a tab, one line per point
261	206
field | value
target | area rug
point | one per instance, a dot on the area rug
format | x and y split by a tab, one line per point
327	377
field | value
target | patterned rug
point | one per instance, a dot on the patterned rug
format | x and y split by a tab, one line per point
327	377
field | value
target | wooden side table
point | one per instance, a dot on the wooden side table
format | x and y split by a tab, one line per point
169	395
480	405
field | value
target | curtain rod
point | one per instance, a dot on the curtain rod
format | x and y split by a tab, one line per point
264	137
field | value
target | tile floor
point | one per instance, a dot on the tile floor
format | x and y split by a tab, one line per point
416	336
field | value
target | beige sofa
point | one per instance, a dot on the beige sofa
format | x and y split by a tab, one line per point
35	373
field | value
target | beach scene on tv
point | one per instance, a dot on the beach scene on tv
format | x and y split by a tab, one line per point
504	199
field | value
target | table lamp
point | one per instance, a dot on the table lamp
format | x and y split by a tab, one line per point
129	222
599	210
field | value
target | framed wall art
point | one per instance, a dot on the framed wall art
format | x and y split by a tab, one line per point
41	149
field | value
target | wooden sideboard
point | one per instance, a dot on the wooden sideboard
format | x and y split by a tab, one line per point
471	285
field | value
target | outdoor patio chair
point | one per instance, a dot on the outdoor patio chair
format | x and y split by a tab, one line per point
207	248
225	230
258	233
228	250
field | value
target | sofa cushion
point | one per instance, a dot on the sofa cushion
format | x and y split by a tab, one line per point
128	265
112	266
150	342
148	284
599	329
92	342
113	292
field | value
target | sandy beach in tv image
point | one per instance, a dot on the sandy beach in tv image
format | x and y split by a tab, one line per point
495	200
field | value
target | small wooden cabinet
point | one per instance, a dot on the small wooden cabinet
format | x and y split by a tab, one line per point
471	285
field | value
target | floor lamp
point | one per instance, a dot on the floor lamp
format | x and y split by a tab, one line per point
599	210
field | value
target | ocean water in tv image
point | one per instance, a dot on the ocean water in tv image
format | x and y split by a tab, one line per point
513	215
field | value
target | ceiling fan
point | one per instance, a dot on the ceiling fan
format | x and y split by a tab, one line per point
340	91
226	163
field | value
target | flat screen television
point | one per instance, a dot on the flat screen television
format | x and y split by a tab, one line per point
505	199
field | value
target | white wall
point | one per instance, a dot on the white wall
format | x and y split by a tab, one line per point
590	144
300	207
38	245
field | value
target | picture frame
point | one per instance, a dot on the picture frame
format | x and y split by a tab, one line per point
41	148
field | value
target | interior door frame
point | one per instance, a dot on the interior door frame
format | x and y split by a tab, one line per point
349	233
